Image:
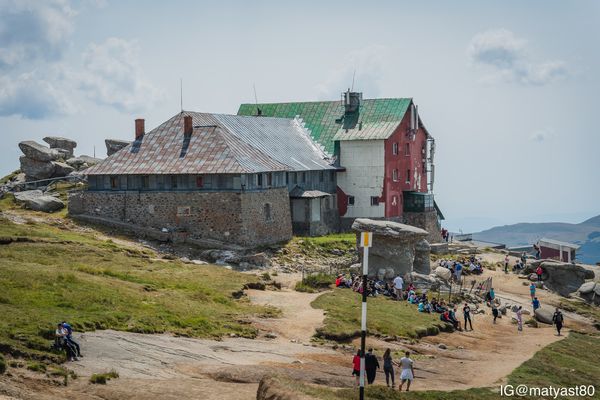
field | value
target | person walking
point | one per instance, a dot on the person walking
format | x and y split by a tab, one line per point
408	372
557	320
524	259
535	303
356	367
388	367
532	291
458	270
539	271
467	316
371	366
494	313
398	285
506	264
519	319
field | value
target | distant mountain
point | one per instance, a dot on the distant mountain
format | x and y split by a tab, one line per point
586	234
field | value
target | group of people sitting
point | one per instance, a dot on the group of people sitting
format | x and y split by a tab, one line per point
63	341
462	266
374	287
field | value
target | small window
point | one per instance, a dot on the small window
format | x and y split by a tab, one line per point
199	182
395	149
407	149
145	182
350	200
174	182
259	180
321	176
269	179
114	182
267	212
374	200
408	176
395	175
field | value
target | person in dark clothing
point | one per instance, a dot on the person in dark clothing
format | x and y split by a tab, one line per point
494	312
371	366
63	344
69	338
388	367
557	320
467	315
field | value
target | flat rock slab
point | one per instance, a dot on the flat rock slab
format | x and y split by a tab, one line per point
57	142
45	204
38	152
27	195
388	228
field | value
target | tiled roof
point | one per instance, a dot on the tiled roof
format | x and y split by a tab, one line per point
219	144
325	119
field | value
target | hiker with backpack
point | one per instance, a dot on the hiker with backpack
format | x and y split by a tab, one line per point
557	320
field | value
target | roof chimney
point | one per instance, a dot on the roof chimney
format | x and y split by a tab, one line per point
188	126
351	101
139	128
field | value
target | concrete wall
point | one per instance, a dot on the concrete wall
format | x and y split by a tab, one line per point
223	216
363	178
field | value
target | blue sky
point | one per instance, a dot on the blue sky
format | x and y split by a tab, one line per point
508	88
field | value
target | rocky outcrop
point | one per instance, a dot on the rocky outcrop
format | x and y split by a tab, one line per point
426	282
82	162
114	145
563	278
62	169
443	273
38	152
62	145
422	263
590	292
393	247
38	201
35	170
544	315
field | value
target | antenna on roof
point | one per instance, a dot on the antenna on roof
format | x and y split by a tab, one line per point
258	110
353	75
181	93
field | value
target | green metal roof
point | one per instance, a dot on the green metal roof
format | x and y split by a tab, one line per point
376	118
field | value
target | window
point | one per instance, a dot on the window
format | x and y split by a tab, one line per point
395	149
199	182
374	200
145	182
267	212
350	200
174	182
114	182
395	175
321	176
259	180
269	179
407	149
408	176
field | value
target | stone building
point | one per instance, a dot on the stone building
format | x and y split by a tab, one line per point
202	177
384	151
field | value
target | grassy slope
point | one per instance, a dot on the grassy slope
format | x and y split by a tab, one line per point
319	247
385	316
96	283
569	362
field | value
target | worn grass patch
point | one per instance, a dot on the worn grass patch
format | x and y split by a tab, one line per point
315	283
319	247
103	378
97	284
385	317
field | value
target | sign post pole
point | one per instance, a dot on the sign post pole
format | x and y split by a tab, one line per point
366	239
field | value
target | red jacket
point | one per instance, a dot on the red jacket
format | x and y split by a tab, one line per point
356	363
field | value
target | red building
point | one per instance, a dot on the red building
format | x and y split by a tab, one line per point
555	249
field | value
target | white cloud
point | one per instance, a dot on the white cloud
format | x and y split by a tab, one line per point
112	76
366	65
31	31
506	59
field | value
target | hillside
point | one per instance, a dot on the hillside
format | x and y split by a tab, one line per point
586	234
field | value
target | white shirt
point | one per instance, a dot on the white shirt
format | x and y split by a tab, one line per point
398	282
406	363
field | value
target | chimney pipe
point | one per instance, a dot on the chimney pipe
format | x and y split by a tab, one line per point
139	128
188	127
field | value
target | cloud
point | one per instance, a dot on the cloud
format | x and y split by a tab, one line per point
33	96
112	76
366	65
33	30
506	59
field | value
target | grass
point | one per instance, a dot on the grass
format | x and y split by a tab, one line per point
315	283
566	363
385	317
97	284
581	308
319	247
103	378
10	176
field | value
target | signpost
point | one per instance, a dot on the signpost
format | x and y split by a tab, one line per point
366	240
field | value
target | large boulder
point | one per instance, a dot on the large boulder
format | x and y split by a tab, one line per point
439	248
36	170
61	169
393	244
61	143
114	145
38	201
21	197
426	282
544	315
443	273
590	292
564	278
82	162
38	152
422	263
587	287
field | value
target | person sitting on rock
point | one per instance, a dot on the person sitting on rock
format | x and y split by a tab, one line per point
445	317
340	281
421	306
453	319
61	342
539	271
428	308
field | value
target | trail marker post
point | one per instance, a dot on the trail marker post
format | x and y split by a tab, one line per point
366	240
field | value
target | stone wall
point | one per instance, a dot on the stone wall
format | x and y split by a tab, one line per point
425	220
329	221
233	217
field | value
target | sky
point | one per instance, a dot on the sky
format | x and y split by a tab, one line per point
508	88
